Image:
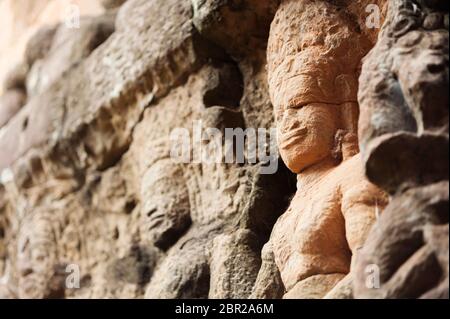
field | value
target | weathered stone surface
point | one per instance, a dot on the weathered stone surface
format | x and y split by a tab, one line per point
314	287
77	113
313	85
113	82
10	103
16	78
404	137
269	284
40	44
212	259
134	222
93	203
112	4
403	91
235	262
14	96
237	26
55	50
406	246
20	20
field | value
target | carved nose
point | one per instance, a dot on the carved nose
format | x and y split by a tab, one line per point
294	125
289	122
289	125
26	271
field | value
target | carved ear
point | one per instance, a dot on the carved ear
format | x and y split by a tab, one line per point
349	116
345	145
336	152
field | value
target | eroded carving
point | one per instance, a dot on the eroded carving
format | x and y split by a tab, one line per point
314	53
404	137
87	179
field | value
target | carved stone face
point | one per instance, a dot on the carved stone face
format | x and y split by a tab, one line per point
420	59
165	213
313	58
306	134
404	97
404	135
36	259
421	66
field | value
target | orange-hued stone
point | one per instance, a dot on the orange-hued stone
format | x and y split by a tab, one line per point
314	55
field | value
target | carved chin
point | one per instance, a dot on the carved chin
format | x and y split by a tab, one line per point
298	157
304	150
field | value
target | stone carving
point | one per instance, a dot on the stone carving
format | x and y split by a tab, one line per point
15	95
112	4
37	257
190	211
216	20
404	137
211	256
165	212
313	56
19	21
10	103
54	50
40	44
88	187
134	222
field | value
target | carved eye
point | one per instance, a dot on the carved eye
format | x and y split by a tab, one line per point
409	17
403	24
151	212
411	39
